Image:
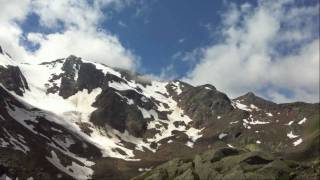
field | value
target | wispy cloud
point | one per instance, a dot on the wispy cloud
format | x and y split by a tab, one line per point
122	24
181	40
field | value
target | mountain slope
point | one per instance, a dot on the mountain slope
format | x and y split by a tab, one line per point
72	118
233	163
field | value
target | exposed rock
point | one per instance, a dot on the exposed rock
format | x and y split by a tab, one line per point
251	98
236	164
90	77
12	79
114	111
256	132
204	103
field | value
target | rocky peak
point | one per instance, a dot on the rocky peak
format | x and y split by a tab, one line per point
250	98
71	65
76	76
204	103
250	95
208	87
109	116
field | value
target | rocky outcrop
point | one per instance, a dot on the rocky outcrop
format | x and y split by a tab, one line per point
78	76
250	98
231	163
112	110
204	103
12	79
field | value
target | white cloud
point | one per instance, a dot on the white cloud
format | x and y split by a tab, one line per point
79	34
168	73
90	45
9	41
181	40
13	10
10	32
271	49
122	24
72	13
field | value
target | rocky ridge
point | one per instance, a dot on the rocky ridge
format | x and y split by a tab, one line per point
84	120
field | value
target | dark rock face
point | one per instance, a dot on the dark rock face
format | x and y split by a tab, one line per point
89	77
112	109
117	113
1	51
12	79
204	103
172	88
78	76
68	84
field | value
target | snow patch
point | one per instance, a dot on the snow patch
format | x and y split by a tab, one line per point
252	106
289	123
229	145
291	135
238	105
5	61
5	177
177	87
190	144
222	135
269	114
302	121
17	142
144	169
75	170
234	122
297	142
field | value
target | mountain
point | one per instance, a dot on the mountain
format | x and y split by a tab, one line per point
75	119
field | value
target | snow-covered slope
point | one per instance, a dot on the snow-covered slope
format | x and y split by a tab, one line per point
74	111
85	114
78	107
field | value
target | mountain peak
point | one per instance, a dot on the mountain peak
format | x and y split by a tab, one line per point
250	94
251	98
208	87
82	112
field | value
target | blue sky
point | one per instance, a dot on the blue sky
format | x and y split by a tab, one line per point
269	47
164	28
155	30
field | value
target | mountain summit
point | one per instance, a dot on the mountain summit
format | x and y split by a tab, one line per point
75	119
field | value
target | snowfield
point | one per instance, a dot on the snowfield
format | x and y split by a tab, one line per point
78	108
